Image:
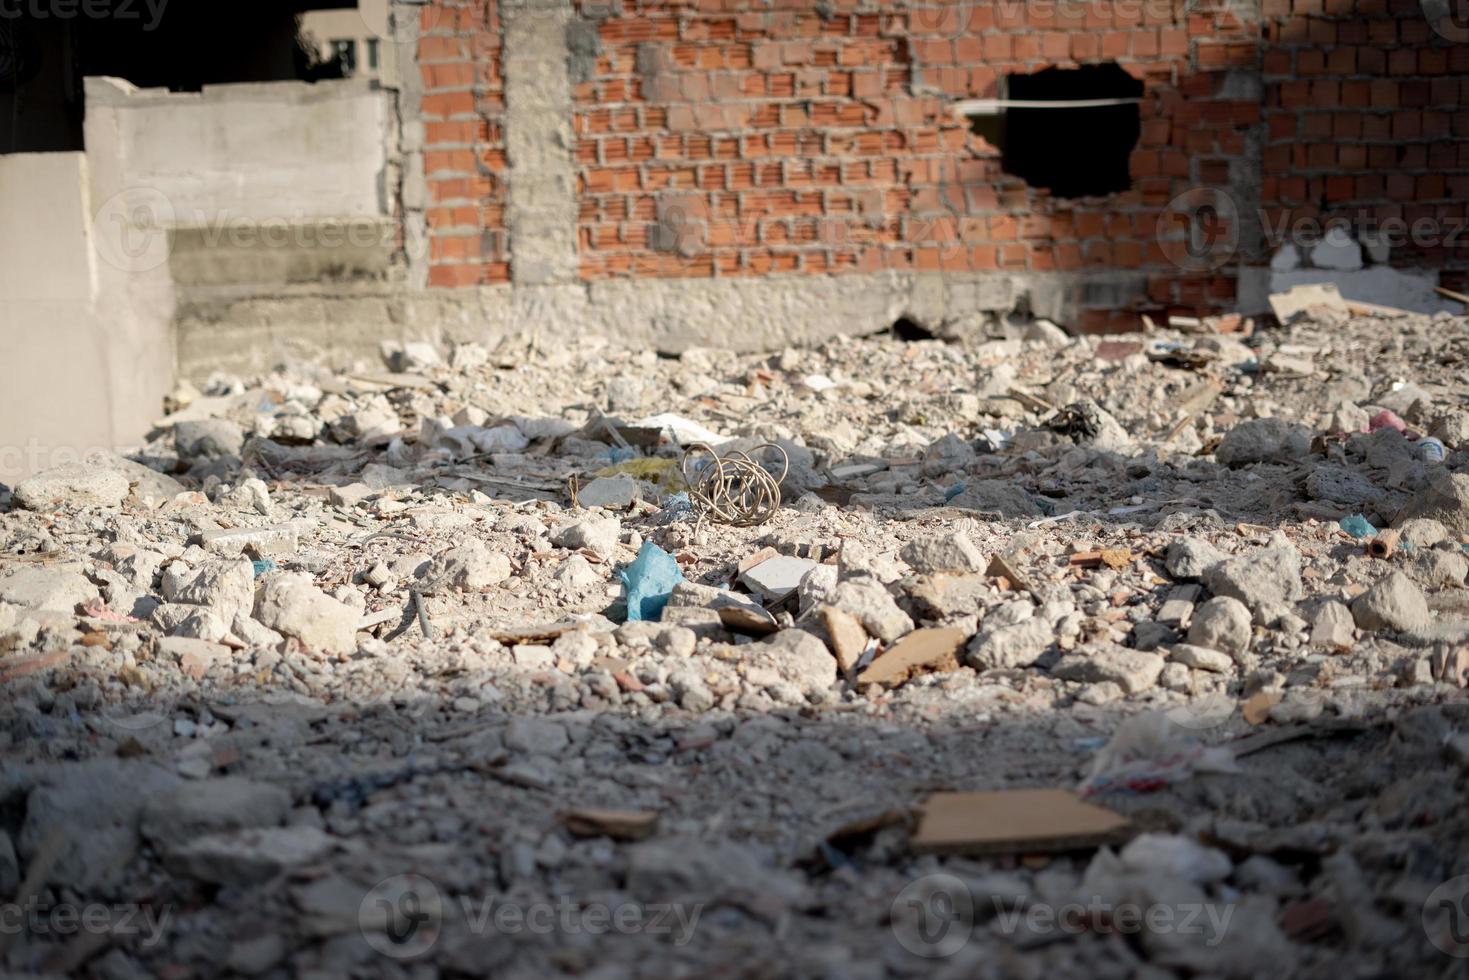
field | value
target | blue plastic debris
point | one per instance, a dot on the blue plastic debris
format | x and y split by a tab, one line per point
264	565
618	454
1357	526
648	582
953	492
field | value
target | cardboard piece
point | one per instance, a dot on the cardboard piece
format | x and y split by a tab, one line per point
1017	821
617	824
1310	296
920	652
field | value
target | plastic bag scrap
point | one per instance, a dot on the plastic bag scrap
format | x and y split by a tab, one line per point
648	582
680	430
1149	752
1357	526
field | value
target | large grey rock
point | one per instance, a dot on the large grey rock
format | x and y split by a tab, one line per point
996	496
1445	499
1437	568
1223	624
596	534
869	601
57	589
291	604
1188	557
1132	670
1261	579
206	438
1264	441
1394	603
248	857
1344	486
95	809
470	567
72	485
944	553
225	585
1010	645
797	656
211	806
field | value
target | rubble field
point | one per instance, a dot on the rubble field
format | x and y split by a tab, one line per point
441	667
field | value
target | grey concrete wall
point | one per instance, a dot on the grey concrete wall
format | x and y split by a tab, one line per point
88	346
256	185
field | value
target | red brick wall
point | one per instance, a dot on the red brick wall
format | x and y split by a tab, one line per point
733	138
462	110
1365	109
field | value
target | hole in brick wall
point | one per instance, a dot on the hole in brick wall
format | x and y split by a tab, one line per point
910	330
1072	152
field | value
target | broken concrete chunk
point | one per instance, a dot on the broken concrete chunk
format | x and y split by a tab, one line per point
920	652
1445	499
1260	579
248	857
72	485
1187	558
195	657
595	534
197	439
1394	603
775	578
290	603
192	809
846	637
1202	658
226	586
263	542
870	602
944	553
797	657
996	496
57	589
611	492
1132	670
1009	645
1332	625
470	568
1264	441
1223	623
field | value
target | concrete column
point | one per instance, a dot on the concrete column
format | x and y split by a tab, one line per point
541	213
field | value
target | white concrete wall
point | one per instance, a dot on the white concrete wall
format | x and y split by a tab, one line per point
255	152
88	349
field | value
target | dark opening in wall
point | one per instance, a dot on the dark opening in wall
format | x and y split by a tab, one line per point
910	330
1077	151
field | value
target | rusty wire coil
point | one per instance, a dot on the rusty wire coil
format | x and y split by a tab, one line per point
733	489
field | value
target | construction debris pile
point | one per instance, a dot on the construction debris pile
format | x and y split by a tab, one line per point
351	675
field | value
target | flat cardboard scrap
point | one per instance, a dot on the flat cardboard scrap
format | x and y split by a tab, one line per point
617	824
920	652
1312	296
1017	821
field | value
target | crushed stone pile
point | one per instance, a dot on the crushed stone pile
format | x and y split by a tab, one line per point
442	667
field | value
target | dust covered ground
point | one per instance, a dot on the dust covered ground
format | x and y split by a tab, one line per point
332	678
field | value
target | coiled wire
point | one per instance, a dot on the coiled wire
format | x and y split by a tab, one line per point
733	489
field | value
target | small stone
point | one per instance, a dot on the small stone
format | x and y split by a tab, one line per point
1202	658
1394	603
198	439
1332	625
1187	558
611	492
536	736
870	602
291	604
192	809
944	553
470	567
1264	441
598	535
1133	671
1222	623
